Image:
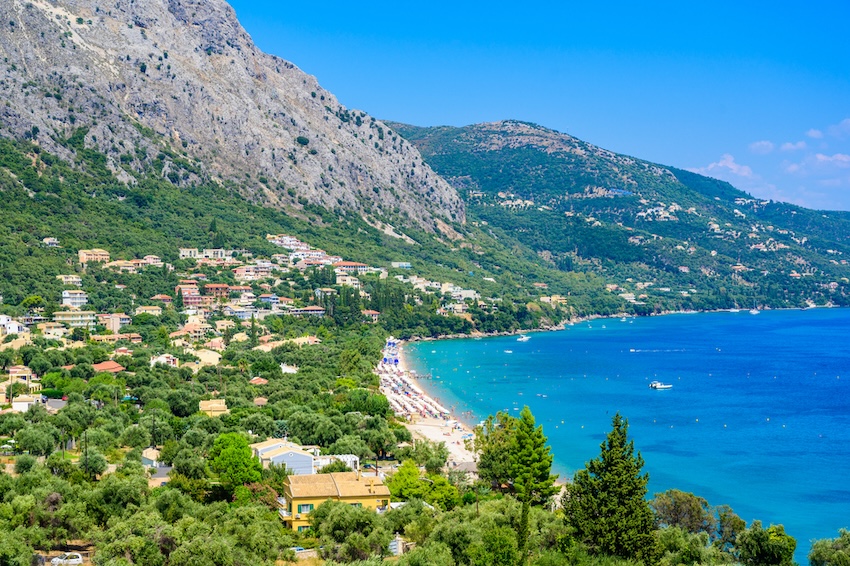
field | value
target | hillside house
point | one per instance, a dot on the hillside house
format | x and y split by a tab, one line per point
95	255
220	290
122	265
112	338
74	298
71	280
23	403
151	310
303	493
52	329
109	366
308	311
350	267
76	319
114	322
213	407
167	359
8	326
371	316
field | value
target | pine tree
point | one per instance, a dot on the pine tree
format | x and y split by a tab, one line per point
606	503
531	465
531	461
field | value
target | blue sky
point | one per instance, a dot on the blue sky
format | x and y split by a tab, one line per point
754	93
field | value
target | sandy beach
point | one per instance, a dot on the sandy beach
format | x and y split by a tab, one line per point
425	417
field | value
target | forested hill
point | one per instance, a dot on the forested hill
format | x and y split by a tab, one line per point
656	232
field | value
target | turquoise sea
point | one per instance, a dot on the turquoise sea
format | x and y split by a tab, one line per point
758	416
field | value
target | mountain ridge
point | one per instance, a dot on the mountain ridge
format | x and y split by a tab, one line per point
184	78
582	207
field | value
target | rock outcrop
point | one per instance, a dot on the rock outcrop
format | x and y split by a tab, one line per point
177	87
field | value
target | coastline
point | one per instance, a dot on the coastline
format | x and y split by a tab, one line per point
399	382
579	319
422	414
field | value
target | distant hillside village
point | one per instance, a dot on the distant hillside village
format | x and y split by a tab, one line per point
211	314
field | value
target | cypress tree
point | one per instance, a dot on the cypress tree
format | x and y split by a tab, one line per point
531	464
606	503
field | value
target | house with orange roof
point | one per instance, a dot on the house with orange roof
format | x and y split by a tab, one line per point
109	366
371	315
217	289
350	267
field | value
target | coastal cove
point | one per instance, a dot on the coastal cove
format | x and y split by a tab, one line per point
757	417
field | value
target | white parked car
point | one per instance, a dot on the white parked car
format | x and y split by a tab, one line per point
68	558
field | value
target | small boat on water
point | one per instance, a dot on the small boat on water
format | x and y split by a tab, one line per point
659	385
754	311
523	338
509	351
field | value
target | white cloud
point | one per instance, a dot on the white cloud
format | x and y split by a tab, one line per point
727	164
788	146
817	165
815	134
841	160
762	147
841	129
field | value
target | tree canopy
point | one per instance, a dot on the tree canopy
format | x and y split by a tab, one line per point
606	502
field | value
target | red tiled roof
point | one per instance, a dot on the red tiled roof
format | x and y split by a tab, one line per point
108	366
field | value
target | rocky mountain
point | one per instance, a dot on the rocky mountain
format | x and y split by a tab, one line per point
177	88
654	231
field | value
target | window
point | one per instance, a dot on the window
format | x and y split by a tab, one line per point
357	505
305	508
303	528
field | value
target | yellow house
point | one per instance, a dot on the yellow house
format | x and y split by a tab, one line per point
302	494
213	407
94	255
76	319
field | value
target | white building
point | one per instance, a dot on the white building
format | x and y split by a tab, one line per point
23	403
300	460
74	298
166	359
71	280
10	326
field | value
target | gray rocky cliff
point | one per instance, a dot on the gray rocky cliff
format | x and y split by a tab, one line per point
179	86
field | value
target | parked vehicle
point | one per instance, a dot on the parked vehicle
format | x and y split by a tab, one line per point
67	559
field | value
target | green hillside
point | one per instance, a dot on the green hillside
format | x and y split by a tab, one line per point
665	235
84	205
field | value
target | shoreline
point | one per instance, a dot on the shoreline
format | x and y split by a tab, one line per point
401	386
564	324
421	413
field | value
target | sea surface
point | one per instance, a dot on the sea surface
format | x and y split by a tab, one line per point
758	416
